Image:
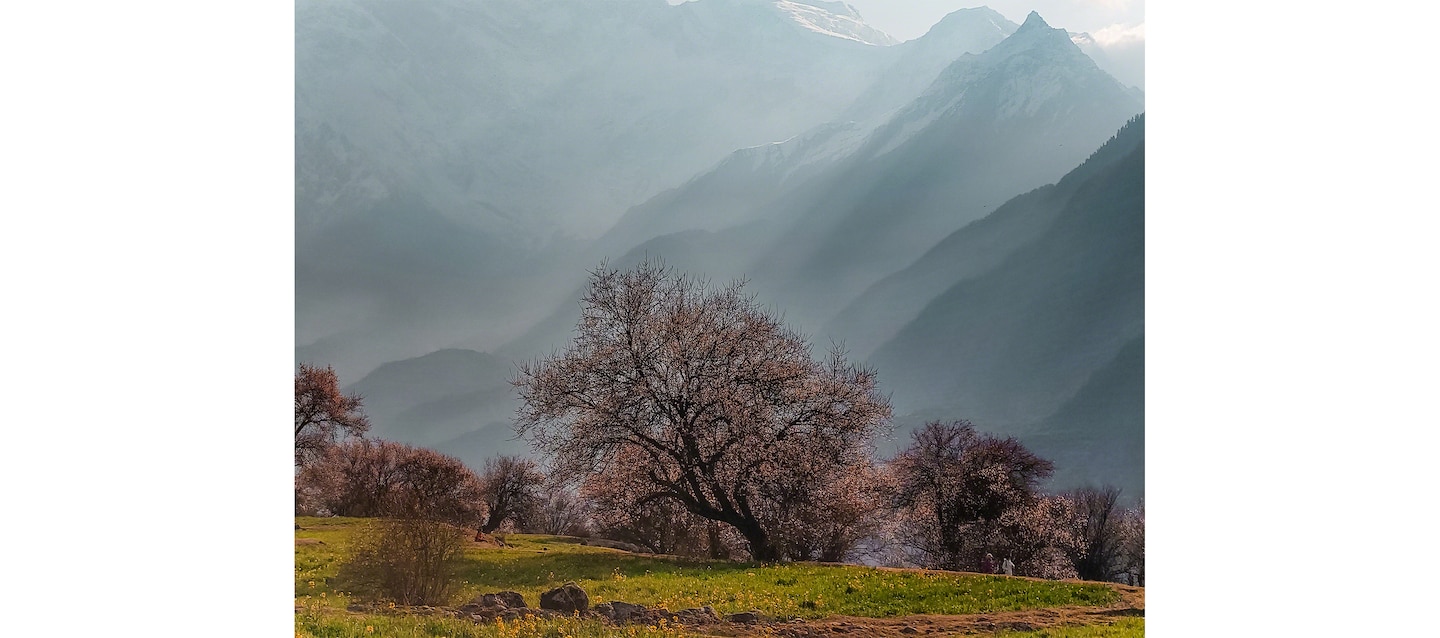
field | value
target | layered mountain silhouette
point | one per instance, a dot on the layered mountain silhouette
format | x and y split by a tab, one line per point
938	205
430	399
515	130
815	220
993	125
1041	334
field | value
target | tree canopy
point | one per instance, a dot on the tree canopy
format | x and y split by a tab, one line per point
698	397
964	492
323	413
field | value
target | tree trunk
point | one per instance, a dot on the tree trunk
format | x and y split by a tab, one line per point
492	522
717	546
761	549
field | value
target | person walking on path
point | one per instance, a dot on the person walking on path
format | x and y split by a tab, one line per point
987	566
1008	567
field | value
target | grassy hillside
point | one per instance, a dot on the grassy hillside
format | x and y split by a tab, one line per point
533	564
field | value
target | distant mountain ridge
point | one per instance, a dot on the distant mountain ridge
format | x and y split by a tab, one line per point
497	136
937	205
528	117
875	315
815	220
429	399
992	125
743	186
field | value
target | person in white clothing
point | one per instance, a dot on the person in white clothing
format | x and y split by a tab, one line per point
1008	567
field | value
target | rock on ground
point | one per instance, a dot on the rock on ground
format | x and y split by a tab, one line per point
565	598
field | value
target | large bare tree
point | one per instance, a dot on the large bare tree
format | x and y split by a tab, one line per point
715	395
322	413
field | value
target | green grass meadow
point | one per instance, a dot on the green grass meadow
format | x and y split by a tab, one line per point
533	564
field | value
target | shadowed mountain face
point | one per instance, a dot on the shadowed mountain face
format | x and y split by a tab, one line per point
992	126
1098	435
885	307
1046	341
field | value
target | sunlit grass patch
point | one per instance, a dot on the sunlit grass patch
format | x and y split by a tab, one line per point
533	564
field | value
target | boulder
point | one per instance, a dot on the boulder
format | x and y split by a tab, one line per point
702	616
565	598
509	599
496	605
745	617
620	611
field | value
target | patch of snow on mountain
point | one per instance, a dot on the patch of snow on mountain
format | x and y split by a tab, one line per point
821	20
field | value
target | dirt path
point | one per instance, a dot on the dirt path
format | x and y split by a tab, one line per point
1131	603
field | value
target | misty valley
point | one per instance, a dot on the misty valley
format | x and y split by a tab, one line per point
747	281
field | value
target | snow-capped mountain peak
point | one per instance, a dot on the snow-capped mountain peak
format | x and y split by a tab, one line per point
837	19
1030	71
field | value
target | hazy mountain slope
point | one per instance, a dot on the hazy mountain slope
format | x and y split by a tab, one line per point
429	399
750	182
889	304
815	220
490	440
993	125
697	252
441	148
460	402
398	279
450	153
921	60
1098	436
530	117
1007	348
740	189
